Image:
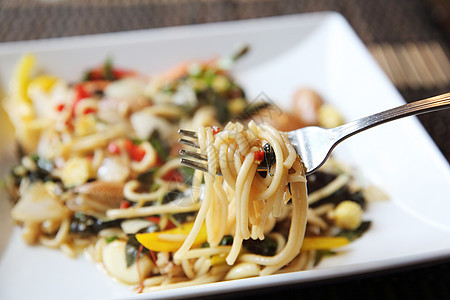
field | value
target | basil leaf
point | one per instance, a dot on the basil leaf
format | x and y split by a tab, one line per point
132	249
320	254
160	146
109	239
352	235
108	73
266	247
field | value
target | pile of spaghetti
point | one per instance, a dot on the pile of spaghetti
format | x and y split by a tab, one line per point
99	172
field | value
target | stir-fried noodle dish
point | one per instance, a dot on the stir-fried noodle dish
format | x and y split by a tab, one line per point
99	173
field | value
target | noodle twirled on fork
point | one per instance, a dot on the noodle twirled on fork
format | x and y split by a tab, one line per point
244	200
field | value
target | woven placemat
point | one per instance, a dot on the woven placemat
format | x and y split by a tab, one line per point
374	21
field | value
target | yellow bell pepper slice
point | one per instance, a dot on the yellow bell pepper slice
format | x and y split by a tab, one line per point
324	243
44	82
218	259
22	77
155	241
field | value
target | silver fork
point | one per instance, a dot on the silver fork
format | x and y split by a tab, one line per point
315	144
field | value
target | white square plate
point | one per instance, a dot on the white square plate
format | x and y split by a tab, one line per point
314	50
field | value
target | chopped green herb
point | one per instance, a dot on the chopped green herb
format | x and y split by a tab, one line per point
154	187
147	177
188	174
161	147
266	247
136	141
352	235
320	254
109	239
226	240
132	249
108	72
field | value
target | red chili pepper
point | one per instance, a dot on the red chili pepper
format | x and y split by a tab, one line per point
89	110
173	175
169	225
113	148
60	107
96	74
259	155
134	151
215	129
125	204
154	219
157	220
80	93
119	73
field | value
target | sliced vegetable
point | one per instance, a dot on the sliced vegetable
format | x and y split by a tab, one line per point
324	243
44	82
85	225
218	259
259	155
155	242
161	147
22	77
132	251
320	254
135	152
109	239
266	247
173	176
352	235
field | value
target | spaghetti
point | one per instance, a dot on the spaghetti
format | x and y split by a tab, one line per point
100	173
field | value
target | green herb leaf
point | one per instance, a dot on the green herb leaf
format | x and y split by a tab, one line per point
147	177
108	72
266	247
109	239
226	240
188	174
352	235
136	141
132	249
320	254
161	147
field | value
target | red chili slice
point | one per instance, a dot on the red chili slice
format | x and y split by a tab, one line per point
215	129
173	175
135	152
259	155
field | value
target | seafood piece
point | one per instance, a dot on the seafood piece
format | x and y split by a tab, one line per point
96	197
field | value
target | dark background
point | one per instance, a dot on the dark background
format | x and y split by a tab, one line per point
382	22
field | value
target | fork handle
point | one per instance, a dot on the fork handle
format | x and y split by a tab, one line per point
342	132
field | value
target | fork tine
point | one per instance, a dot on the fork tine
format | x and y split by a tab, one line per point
196	165
188	133
189	143
193	155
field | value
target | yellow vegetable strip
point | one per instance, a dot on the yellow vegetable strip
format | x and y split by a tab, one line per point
22	77
323	243
154	242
